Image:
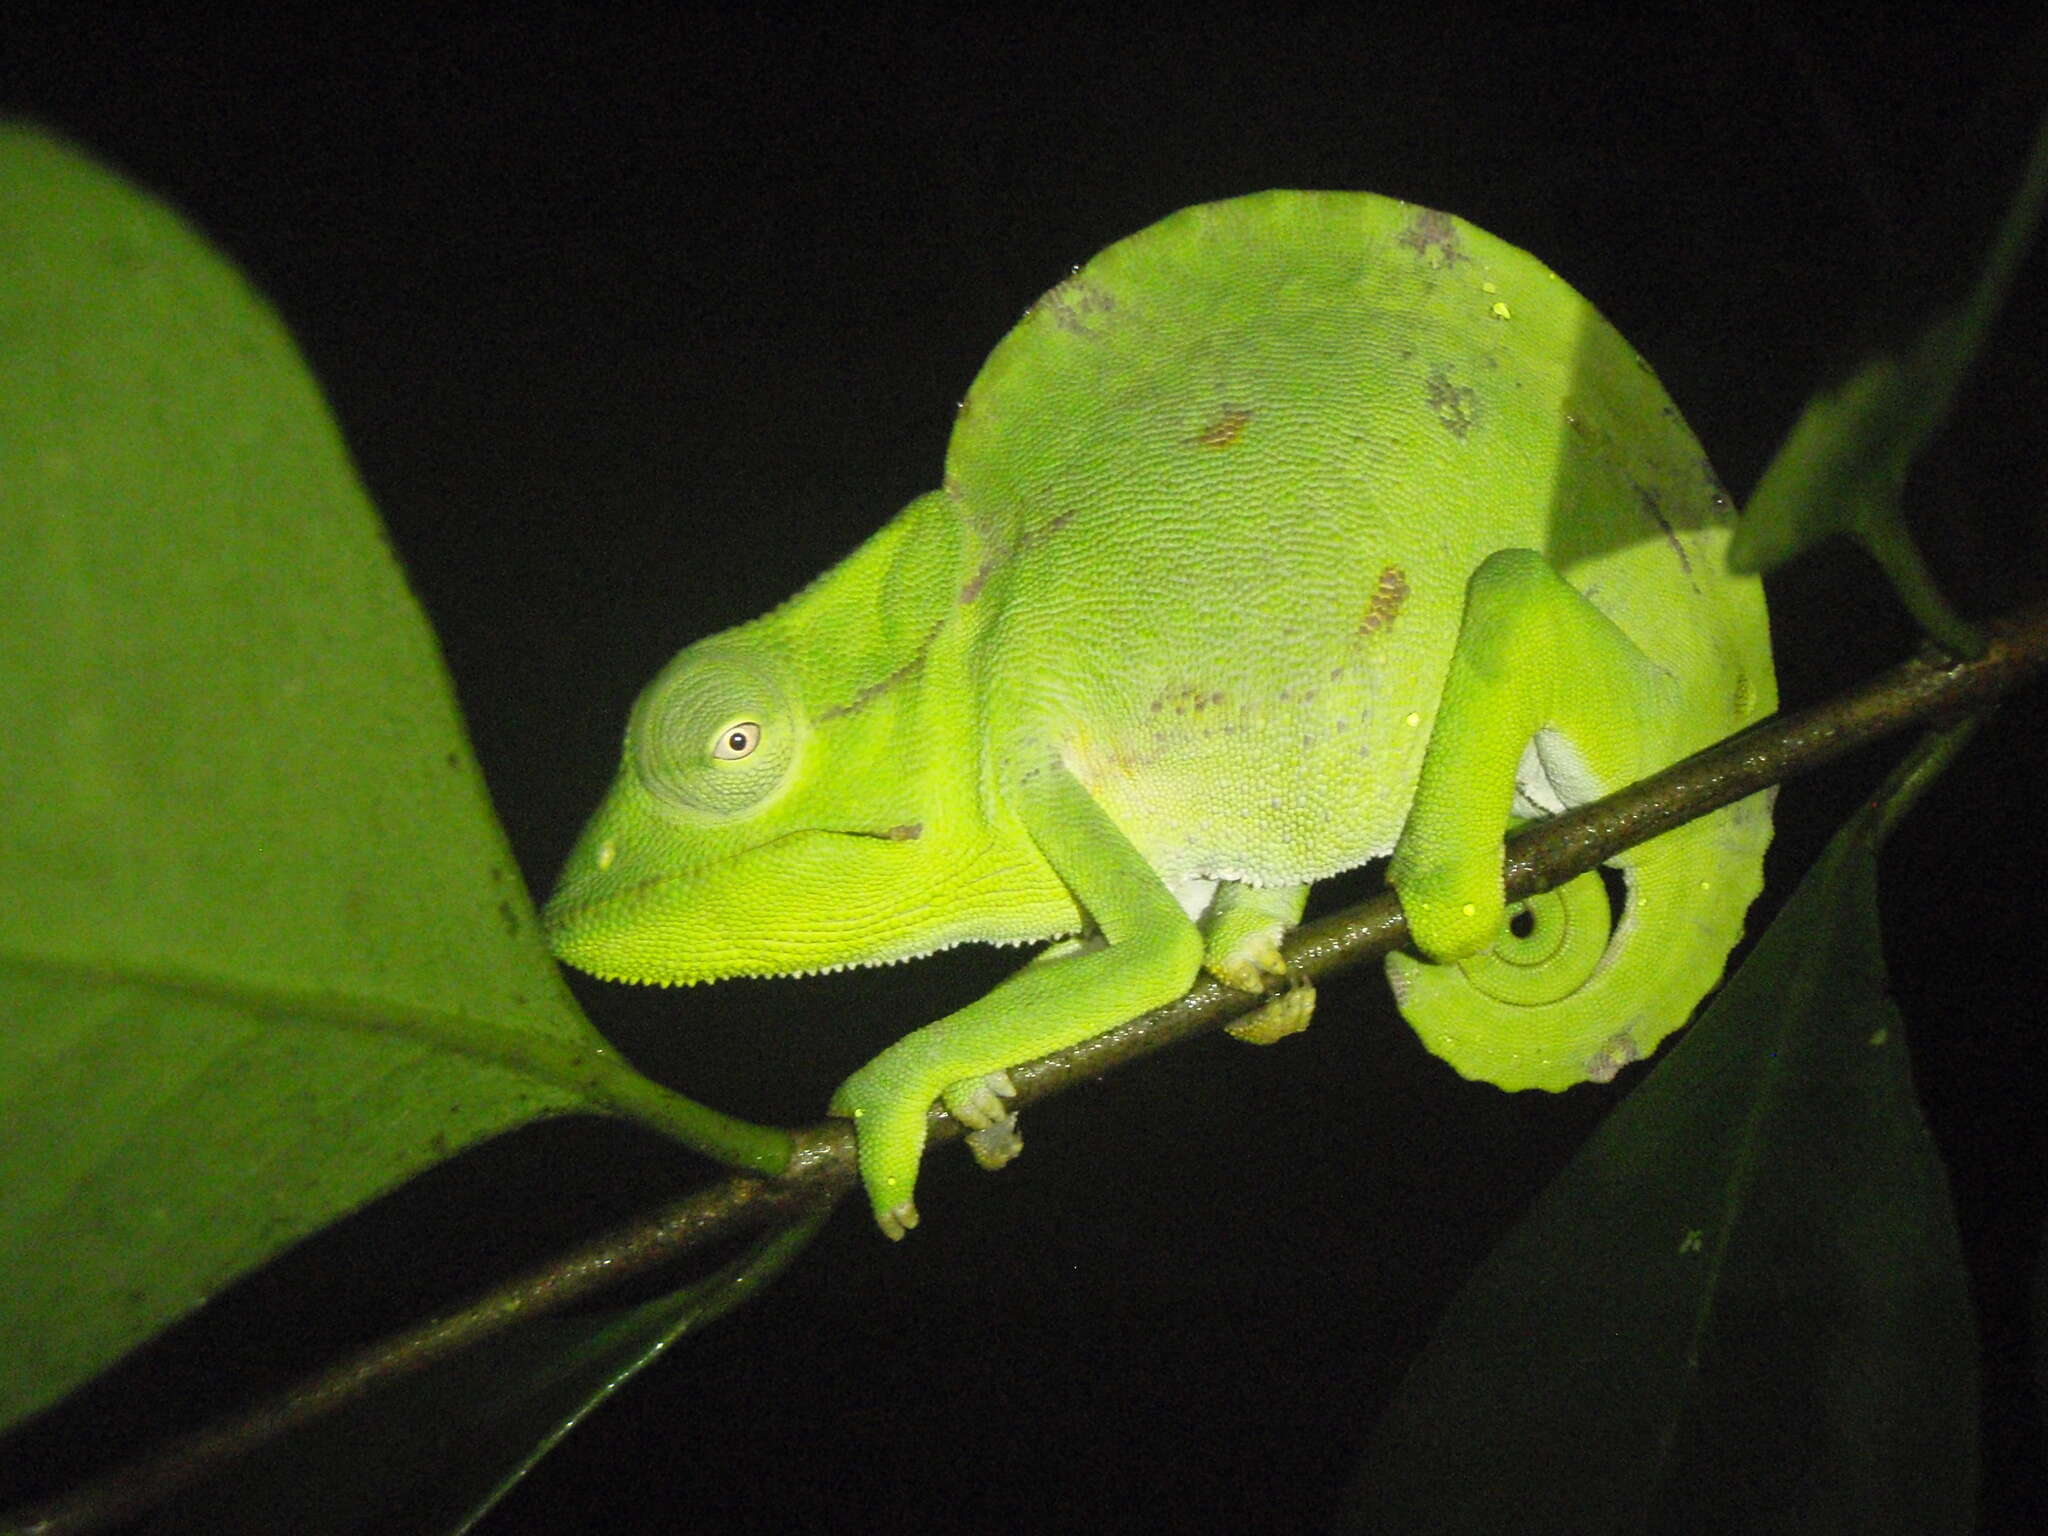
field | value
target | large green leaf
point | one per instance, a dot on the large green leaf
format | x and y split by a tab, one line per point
1842	468
1743	1306
263	950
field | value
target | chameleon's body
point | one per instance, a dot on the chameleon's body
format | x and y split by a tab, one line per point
1185	612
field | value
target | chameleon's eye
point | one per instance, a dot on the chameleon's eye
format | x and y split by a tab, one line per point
715	736
737	742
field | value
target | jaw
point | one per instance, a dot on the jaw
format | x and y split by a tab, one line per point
807	901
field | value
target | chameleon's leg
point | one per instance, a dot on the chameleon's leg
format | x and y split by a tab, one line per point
1241	938
1150	954
977	1102
1552	998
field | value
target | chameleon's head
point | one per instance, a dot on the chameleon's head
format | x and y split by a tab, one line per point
726	846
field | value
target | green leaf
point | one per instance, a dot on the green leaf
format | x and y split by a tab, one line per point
1842	468
263	950
1742	1307
435	1452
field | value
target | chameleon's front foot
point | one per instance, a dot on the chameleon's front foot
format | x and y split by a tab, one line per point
888	1129
888	1126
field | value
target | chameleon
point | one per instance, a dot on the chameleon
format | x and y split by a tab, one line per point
1293	531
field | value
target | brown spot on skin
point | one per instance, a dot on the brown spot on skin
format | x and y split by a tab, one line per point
1389	594
995	562
1618	1052
1745	696
875	690
989	538
909	831
1188	701
1226	429
1071	305
1455	405
979	580
1716	491
1434	237
1650	504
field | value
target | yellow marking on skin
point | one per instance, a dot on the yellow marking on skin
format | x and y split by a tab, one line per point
607	851
1500	311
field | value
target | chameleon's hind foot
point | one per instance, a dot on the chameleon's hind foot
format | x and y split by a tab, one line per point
977	1103
1241	949
1285	1015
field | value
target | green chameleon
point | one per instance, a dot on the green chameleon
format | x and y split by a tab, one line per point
1288	532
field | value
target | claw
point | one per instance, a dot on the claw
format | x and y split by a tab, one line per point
894	1223
996	1143
977	1102
1249	969
1285	1015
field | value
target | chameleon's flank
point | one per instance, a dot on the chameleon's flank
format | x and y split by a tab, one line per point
1289	532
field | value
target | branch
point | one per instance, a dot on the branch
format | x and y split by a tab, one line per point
1926	690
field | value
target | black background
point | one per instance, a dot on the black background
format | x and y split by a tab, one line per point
634	326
